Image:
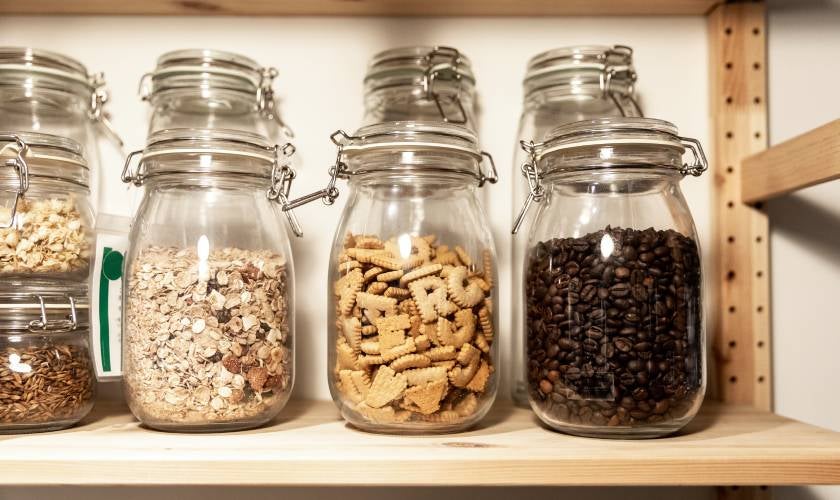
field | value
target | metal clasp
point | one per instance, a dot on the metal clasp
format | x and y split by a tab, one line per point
282	175
98	98
337	171
700	164
266	102
435	70
18	163
492	176
608	75
56	325
536	191
136	176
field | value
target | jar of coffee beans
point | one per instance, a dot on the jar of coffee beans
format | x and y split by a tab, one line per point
47	380
614	335
412	283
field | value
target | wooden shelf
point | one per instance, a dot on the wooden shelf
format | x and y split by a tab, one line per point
363	7
806	160
310	445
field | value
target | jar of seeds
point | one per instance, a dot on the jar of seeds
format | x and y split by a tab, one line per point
46	375
208	286
412	283
614	335
46	221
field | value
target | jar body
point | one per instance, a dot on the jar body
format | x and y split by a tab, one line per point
614	336
208	300
412	103
66	387
211	108
542	112
52	235
412	304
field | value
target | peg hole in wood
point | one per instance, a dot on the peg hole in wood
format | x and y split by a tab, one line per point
758	239
731	239
756	31
732	344
760	379
730	204
730	275
729	170
759	309
756	65
757	100
728	65
729	100
760	344
728	31
729	135
732	309
758	135
733	379
759	274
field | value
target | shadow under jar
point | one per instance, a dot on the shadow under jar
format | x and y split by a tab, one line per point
412	295
614	336
563	86
46	221
46	375
420	84
208	290
213	89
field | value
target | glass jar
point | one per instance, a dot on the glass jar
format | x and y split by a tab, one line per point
420	83
562	86
46	376
46	221
49	93
412	296
614	336
212	89
208	296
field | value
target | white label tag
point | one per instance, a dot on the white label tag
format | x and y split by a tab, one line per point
106	301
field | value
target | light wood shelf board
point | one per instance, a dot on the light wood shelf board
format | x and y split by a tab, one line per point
311	445
363	7
806	160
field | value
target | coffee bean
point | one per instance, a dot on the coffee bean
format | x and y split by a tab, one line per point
612	341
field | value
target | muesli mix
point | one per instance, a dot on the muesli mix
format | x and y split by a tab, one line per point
208	340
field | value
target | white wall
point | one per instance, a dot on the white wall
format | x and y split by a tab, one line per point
805	226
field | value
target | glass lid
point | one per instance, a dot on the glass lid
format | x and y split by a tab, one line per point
33	154
45	62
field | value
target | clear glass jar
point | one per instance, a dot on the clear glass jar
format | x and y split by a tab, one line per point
412	296
213	89
563	86
422	84
46	375
49	93
46	221
208	295
615	343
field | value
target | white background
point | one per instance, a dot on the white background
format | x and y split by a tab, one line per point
322	62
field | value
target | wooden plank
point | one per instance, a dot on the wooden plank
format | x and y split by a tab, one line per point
809	159
363	7
311	445
739	315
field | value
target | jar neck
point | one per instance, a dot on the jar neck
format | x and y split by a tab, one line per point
613	181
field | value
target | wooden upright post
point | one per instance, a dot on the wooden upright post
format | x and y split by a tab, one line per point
739	314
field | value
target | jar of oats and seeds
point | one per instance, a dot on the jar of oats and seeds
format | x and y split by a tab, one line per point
46	219
46	375
420	83
202	88
412	283
208	296
561	86
614	338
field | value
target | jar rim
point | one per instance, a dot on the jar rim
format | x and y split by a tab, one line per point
44	308
410	65
199	143
40	155
609	134
608	67
412	137
206	68
46	62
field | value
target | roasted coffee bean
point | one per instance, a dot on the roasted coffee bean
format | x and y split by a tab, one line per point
612	341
